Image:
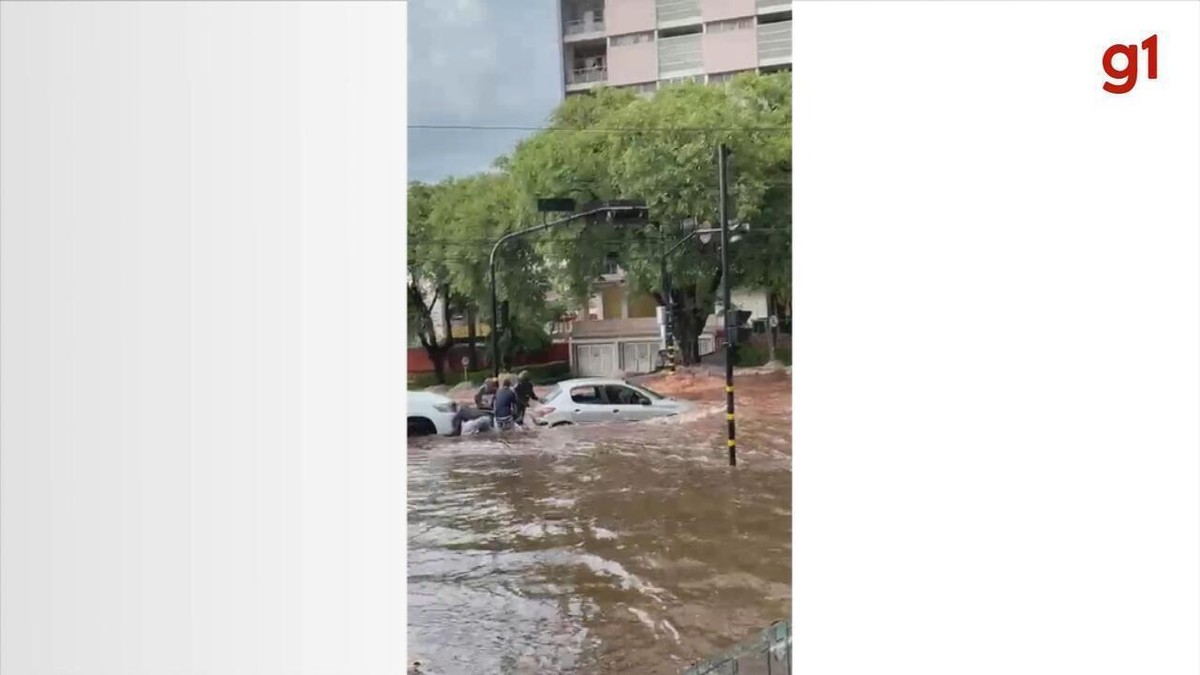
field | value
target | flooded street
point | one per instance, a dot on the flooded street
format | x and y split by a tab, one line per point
606	548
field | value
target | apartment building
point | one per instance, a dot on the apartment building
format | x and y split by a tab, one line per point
645	44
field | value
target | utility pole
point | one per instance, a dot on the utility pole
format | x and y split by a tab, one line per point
730	329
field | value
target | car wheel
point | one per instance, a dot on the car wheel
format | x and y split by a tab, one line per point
421	426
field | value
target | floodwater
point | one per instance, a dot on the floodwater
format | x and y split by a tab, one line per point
631	548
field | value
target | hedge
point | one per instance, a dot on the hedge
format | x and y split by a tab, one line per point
541	374
750	356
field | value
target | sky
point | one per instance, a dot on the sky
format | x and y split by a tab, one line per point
477	62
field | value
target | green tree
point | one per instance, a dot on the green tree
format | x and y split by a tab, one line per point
471	214
615	145
428	280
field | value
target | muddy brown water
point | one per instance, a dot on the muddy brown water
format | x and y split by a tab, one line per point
623	548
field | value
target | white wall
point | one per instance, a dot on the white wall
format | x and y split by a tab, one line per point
753	301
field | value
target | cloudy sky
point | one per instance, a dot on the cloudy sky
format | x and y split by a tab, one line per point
482	62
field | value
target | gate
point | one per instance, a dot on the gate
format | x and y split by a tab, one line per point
768	653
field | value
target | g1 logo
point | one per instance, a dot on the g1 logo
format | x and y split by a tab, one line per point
1127	77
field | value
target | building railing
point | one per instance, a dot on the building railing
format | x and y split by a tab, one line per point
768	652
775	40
580	26
587	75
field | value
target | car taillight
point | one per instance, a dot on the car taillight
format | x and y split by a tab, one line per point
545	410
446	407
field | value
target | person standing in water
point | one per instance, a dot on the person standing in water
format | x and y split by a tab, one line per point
524	391
505	406
485	397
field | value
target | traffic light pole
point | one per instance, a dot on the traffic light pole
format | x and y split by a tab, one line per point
668	292
668	312
610	209
723	179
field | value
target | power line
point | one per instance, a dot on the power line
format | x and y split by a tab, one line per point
582	187
476	242
616	130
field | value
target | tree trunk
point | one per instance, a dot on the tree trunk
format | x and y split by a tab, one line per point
438	351
439	365
689	324
425	332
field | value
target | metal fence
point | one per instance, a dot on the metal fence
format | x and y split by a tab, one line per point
768	653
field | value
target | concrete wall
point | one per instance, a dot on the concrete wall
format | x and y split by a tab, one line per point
730	50
717	10
754	302
642	306
632	64
629	16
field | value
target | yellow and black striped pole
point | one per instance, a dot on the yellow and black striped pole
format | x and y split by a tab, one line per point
727	305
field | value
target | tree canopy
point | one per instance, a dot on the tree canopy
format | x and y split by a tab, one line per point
612	144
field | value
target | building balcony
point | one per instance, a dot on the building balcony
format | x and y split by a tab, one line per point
577	30
586	78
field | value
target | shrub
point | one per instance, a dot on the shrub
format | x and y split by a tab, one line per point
750	356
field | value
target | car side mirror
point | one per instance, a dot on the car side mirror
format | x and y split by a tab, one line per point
645	401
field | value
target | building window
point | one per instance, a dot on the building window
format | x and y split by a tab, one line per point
775	41
644	89
724	78
631	39
680	53
676	10
611	264
583	18
731	25
682	80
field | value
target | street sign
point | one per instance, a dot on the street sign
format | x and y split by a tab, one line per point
774	320
465	361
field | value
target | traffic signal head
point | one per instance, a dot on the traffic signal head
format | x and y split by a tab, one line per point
502	320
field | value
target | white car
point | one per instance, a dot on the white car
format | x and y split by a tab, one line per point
596	399
430	414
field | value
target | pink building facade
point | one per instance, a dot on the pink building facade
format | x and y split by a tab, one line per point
647	44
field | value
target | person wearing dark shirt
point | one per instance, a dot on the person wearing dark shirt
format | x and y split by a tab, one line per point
505	406
524	391
466	417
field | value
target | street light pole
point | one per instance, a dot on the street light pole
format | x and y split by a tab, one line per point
723	178
608	209
668	309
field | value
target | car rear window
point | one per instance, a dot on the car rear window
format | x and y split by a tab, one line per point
552	393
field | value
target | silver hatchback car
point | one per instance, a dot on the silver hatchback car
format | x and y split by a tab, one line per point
596	399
